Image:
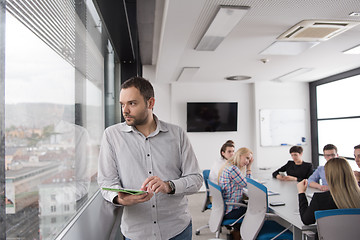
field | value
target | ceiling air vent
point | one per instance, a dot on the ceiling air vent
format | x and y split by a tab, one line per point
316	30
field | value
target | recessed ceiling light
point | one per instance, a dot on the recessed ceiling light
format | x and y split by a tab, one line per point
292	74
224	22
187	74
238	78
288	48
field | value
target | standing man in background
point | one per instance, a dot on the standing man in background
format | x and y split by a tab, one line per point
151	155
330	151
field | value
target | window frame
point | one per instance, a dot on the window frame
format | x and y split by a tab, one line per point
313	111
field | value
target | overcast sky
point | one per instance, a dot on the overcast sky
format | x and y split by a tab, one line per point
35	73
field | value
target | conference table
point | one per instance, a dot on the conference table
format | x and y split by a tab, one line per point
286	191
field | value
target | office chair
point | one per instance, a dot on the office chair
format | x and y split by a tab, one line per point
255	224
338	224
216	221
207	203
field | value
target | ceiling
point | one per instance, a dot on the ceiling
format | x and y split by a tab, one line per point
169	30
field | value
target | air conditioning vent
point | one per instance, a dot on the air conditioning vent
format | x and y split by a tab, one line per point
316	30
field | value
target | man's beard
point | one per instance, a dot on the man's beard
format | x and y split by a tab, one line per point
137	121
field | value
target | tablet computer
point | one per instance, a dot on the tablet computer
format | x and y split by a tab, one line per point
125	190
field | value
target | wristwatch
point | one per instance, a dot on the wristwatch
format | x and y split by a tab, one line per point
172	187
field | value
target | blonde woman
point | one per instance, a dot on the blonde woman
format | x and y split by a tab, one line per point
232	180
344	191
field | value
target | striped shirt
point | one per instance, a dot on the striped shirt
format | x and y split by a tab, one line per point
232	183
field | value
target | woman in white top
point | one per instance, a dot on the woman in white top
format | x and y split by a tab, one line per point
226	151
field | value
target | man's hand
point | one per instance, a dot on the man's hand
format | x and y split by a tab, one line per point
126	199
155	185
324	188
319	186
301	186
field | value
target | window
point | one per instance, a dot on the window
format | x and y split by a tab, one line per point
53	197
53	209
54	80
66	208
338	115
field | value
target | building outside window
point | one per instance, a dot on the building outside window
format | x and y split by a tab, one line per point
54	81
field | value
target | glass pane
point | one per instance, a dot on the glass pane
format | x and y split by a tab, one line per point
337	99
343	133
51	162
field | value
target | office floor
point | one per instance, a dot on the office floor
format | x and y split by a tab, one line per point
201	218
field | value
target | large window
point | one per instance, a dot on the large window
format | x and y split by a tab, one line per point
337	116
54	113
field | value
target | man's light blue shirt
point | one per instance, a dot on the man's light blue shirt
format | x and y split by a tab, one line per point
318	174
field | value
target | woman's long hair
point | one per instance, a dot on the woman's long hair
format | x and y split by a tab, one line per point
235	160
342	183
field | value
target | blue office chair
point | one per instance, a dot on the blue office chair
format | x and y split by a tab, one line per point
338	224
207	203
216	221
255	224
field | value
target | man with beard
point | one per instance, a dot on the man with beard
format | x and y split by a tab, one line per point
151	155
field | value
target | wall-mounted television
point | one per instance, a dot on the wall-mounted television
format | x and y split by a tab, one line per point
212	116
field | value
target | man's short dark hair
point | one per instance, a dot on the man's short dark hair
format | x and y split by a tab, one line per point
330	147
143	85
297	149
357	147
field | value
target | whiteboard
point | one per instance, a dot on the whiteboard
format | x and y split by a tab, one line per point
282	127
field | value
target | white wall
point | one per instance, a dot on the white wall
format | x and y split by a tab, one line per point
207	145
171	102
275	95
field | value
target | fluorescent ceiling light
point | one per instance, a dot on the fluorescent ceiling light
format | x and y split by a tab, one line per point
187	73
288	48
293	74
353	50
225	20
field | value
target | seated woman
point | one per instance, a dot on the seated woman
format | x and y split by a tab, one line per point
226	151
296	170
344	191
232	181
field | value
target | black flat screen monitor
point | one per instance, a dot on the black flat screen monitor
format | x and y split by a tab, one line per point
212	116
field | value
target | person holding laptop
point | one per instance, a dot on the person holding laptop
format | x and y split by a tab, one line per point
295	170
330	151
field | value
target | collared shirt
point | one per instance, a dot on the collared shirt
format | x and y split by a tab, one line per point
232	184
318	174
127	158
214	172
